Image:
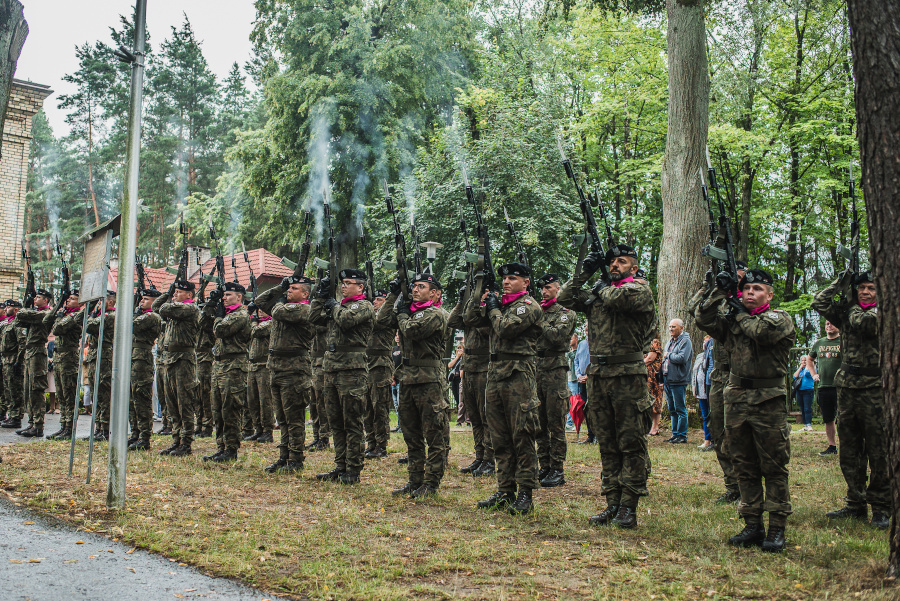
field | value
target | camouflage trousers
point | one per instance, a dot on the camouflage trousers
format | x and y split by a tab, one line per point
553	394
378	407
291	393
474	384
757	437
35	384
345	397
161	393
65	372
620	411
860	427
181	393
512	416
203	412
229	394
13	391
423	419
103	396
321	422
140	410
259	398
717	429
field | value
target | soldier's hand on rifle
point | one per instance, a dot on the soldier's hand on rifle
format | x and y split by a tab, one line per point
216	295
491	302
28	302
735	307
252	309
323	289
330	303
394	286
403	307
285	284
726	282
599	285
462	292
220	309
171	291
253	318
710	278
592	262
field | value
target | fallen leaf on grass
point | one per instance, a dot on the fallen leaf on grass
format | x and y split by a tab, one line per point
16	561
79	542
35	560
130	551
530	573
189	590
182	565
133	571
28	523
71	561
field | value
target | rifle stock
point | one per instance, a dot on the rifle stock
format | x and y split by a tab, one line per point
399	245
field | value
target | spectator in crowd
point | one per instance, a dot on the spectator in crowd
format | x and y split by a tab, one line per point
805	393
653	361
700	383
455	377
582	360
676	369
824	361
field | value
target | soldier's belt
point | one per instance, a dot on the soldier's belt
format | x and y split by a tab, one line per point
510	356
287	353
858	370
171	348
422	362
616	359
477	353
258	361
141	345
228	356
34	346
340	348
552	354
317	354
736	380
378	352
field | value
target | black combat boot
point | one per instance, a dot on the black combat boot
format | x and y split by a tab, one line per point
34	432
368	452
403	460
323	444
752	535
406	489
544	472
471	467
290	467
215	455
181	450
348	477
730	496
590	440
311	447
175	445
426	490
498	500
251	436
66	434
227	455
554	478
265	437
166	431
22	431
278	464
12	422
56	434
774	542
101	436
141	444
131	440
880	520
859	513
379	453
331	476
605	516
198	430
626	518
523	504
485	469
205	433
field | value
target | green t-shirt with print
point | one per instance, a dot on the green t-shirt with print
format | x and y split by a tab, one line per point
827	354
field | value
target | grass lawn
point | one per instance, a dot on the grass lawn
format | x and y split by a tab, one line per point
294	536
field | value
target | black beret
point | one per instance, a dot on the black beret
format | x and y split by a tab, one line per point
427	277
110	293
756	276
13	303
75	291
741	266
44	292
864	276
379	292
235	287
189	286
152	292
547	278
640	274
620	250
352	274
515	269
298	279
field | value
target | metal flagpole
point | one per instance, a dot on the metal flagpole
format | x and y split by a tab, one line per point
102	305
121	366
78	384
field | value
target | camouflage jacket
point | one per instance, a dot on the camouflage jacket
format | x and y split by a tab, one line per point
292	332
232	338
758	346
378	352
859	334
317	353
620	325
476	338
260	333
515	329
349	329
12	342
423	336
721	361
66	331
205	342
182	326
146	328
558	324
109	333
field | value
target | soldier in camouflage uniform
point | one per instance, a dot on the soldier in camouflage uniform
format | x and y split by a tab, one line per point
621	316
259	394
422	412
512	401
104	364
317	410
758	340
177	354
290	366
476	345
204	415
552	387
381	373
36	367
65	325
861	420
231	326
12	351
350	325
146	328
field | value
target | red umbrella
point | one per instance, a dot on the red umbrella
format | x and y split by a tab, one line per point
576	408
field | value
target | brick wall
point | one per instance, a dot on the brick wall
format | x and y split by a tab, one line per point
25	100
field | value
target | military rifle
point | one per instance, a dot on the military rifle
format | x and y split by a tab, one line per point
332	250
304	248
66	283
254	287
30	289
730	265
417	252
521	256
220	260
139	267
205	279
469	258
399	244
486	277
370	271
183	261
715	254
852	253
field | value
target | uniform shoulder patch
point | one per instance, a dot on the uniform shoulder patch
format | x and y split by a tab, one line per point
520	311
630	285
528	301
772	315
418	315
564	318
778	310
354	306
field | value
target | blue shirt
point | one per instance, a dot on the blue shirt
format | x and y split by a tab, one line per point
709	359
582	358
808	383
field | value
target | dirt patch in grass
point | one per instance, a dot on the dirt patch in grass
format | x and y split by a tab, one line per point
301	538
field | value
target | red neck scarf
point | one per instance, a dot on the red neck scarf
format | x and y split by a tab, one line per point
419	305
44	308
868	306
300	302
623	281
351	299
508	298
145	311
231	308
546	304
190	300
759	310
8	318
71	310
262	319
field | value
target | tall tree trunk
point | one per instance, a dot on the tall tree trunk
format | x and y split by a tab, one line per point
875	42
13	31
680	268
